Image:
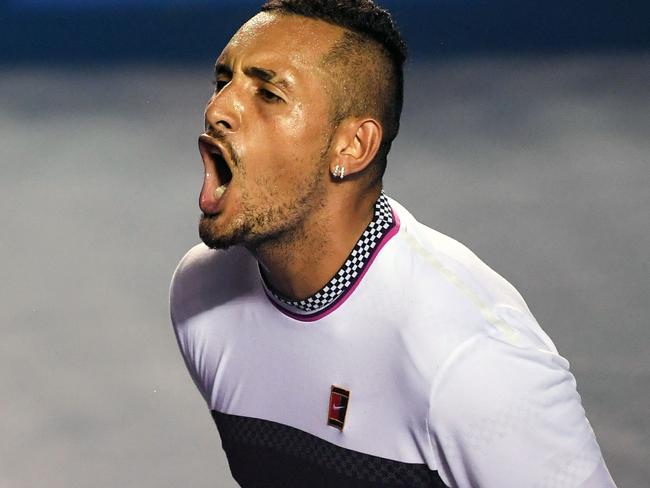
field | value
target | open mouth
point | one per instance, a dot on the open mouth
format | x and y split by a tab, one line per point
223	172
218	174
216	164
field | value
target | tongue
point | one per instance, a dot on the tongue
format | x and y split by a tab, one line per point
209	201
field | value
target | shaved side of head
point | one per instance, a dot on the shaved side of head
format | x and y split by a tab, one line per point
365	64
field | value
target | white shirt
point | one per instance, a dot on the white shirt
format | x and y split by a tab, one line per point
445	365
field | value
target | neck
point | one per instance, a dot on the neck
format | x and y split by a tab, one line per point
301	262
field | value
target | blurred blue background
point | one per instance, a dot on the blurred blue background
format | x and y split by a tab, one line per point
525	135
103	30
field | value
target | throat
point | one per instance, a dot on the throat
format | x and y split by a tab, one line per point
311	283
298	264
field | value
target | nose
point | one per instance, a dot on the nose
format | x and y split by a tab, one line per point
224	110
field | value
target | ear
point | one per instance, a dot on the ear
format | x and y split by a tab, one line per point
358	141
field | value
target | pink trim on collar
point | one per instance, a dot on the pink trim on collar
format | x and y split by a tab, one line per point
343	298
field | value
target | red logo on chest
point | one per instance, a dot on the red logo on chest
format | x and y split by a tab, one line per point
339	399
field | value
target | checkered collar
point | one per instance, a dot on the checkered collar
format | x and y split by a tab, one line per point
346	277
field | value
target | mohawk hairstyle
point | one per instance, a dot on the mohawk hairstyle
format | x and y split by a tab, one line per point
368	62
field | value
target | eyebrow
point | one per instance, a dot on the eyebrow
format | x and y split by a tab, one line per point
264	74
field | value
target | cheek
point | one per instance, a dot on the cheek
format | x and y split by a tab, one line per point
296	123
284	147
308	130
302	123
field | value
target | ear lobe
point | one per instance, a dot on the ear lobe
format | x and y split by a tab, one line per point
364	139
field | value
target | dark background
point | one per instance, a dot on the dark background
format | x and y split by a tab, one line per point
73	31
525	135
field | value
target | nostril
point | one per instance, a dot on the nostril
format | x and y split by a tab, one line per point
225	124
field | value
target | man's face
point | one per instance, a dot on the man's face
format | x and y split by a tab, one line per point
267	132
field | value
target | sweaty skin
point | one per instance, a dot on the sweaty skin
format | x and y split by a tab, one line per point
269	120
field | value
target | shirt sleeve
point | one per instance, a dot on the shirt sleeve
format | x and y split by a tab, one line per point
508	416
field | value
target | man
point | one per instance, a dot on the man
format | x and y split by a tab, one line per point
337	341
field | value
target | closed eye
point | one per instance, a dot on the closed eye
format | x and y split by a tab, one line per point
219	84
269	96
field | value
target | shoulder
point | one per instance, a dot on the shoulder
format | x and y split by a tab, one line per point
205	277
452	260
495	404
195	259
194	268
457	289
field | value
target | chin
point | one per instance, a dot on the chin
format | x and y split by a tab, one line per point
215	236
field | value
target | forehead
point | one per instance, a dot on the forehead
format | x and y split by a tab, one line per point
291	43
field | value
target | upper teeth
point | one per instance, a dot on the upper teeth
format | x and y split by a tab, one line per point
218	193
